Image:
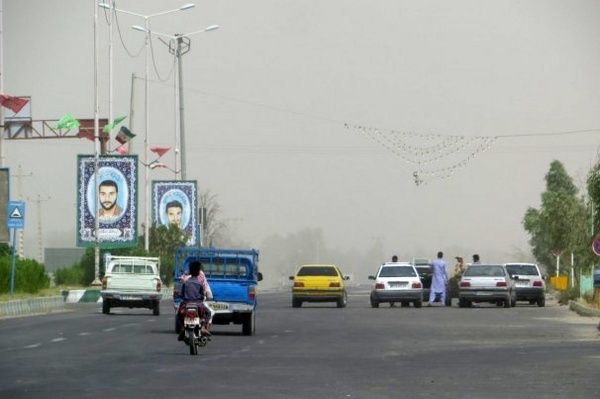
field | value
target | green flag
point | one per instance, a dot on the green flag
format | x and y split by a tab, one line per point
109	127
67	122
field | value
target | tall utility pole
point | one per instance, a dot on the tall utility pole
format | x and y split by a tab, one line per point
39	227
180	45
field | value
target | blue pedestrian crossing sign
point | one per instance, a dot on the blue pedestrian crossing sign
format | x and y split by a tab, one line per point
16	215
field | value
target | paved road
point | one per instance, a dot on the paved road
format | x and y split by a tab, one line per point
316	351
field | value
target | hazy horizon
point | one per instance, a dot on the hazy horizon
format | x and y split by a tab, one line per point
317	114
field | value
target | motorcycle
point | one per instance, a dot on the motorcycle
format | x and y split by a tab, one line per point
192	324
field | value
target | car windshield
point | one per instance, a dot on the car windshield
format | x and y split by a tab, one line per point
397	271
523	270
317	271
484	271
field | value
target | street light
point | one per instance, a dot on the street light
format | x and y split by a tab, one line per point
182	47
147	106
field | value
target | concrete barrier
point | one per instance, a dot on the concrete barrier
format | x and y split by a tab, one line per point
56	303
74	296
32	306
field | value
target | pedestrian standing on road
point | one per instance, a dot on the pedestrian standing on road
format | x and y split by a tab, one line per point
460	266
439	280
394	259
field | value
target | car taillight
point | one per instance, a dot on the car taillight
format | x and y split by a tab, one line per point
537	283
465	283
298	284
500	283
416	285
334	284
104	281
252	293
379	286
158	285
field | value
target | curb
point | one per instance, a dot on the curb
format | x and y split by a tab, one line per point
583	310
32	306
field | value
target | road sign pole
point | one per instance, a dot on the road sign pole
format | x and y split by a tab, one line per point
12	273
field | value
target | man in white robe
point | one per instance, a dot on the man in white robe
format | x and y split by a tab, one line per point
439	280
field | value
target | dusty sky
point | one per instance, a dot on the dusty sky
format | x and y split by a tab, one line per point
284	101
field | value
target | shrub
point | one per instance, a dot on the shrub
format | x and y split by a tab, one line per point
30	276
570	294
73	275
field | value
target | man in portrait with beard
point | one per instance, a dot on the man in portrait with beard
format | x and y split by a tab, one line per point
108	192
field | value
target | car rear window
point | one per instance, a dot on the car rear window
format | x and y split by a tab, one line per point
397	271
523	270
484	271
228	268
317	271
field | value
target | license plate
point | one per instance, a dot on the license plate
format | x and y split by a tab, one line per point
218	305
521	283
131	298
398	285
189	320
483	293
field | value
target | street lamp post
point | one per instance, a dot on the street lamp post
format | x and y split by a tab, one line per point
179	45
146	107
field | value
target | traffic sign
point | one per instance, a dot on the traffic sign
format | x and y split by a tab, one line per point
596	245
16	215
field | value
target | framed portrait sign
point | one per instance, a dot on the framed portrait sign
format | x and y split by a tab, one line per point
175	203
113	200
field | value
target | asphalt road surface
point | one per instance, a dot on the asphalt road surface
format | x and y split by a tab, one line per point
316	351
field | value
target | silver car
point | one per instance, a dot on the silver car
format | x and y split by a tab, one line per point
529	282
489	283
397	282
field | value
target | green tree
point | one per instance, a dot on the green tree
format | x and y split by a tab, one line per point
5	249
164	241
593	187
560	224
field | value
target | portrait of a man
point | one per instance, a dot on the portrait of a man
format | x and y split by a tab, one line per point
108	193
175	204
107	190
174	211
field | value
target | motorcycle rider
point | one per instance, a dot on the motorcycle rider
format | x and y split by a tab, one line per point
193	290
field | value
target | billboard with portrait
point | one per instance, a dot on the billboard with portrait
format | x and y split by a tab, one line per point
4	198
113	200
175	202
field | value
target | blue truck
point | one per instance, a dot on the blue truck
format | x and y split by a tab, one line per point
233	277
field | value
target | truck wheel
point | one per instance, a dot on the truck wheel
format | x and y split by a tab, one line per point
106	306
296	303
156	308
249	324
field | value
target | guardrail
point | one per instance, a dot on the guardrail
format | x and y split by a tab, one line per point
32	306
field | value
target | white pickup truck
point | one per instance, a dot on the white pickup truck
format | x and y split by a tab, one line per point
132	282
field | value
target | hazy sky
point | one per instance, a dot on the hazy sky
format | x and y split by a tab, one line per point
283	101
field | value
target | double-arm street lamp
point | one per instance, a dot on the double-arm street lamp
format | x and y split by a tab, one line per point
179	45
147	106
